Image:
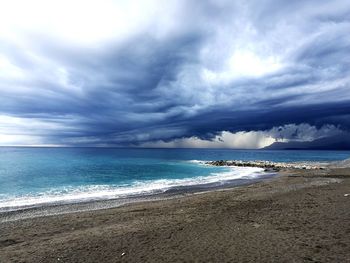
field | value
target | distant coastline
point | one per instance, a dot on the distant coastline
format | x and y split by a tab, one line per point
339	143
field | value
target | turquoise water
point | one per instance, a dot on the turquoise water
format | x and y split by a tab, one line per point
32	176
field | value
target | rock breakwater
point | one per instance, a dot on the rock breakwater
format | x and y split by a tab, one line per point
275	166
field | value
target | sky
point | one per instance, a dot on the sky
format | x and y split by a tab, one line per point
175	73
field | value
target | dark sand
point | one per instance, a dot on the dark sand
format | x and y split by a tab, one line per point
302	216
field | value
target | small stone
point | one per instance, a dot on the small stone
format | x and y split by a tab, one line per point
256	225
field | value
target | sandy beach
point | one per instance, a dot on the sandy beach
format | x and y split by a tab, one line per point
299	216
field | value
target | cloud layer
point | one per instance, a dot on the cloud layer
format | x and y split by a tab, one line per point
252	139
135	73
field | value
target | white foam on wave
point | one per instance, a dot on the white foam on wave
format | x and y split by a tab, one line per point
98	192
196	161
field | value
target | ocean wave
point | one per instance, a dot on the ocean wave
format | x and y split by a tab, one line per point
200	162
73	194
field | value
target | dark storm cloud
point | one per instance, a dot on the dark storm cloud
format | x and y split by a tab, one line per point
218	66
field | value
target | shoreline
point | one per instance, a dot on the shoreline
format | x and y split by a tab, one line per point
271	169
59	206
52	209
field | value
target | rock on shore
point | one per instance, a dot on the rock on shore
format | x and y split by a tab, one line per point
276	166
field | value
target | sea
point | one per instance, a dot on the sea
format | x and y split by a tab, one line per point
31	177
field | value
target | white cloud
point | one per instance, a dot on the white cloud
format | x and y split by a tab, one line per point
86	22
9	70
15	131
242	63
251	139
239	140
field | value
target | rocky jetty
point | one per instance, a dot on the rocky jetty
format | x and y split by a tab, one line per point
274	166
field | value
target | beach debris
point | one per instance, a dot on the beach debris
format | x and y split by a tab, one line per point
123	254
346	195
268	165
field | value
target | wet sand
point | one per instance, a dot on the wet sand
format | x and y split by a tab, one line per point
301	216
